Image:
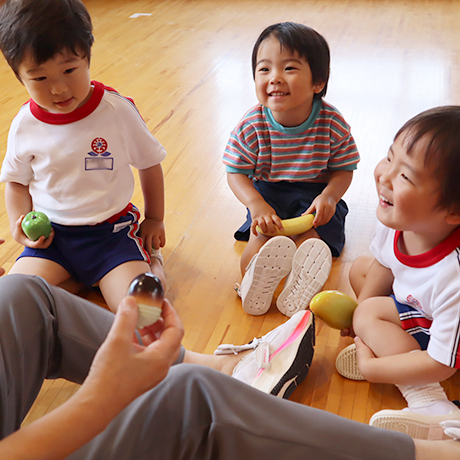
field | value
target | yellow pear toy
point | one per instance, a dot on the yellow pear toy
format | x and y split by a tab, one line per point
294	226
335	308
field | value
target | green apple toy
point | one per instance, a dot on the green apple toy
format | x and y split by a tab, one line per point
335	308
36	224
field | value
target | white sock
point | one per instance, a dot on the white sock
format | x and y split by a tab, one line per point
429	399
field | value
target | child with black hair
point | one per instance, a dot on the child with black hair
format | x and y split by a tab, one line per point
407	322
292	154
69	155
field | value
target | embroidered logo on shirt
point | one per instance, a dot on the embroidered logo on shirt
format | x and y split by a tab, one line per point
414	302
99	154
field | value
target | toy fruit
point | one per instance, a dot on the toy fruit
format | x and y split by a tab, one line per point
36	224
294	226
148	292
335	308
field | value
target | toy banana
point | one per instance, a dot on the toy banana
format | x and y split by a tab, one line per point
294	226
335	308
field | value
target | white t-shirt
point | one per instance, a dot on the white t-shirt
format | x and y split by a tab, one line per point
430	283
78	165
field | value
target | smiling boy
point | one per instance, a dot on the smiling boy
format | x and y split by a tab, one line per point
408	318
70	152
291	154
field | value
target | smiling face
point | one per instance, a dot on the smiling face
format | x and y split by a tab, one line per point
408	191
284	83
59	85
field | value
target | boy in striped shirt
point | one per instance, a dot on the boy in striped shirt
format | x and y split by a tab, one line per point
291	154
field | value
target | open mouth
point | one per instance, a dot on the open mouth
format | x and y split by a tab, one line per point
384	200
277	94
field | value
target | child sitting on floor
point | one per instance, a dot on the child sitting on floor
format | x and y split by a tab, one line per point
407	324
291	154
69	155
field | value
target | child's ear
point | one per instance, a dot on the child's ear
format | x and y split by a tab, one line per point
318	87
453	218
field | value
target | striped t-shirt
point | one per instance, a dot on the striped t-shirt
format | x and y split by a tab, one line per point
262	148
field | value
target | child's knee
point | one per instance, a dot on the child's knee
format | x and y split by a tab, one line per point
362	317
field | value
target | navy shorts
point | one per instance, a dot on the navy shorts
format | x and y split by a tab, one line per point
89	252
414	323
292	199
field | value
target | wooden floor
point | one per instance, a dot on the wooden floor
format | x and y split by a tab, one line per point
187	66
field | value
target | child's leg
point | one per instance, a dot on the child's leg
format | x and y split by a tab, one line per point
49	270
358	271
156	267
114	285
251	249
376	322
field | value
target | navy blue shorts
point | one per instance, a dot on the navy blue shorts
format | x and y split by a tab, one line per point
292	199
89	252
414	323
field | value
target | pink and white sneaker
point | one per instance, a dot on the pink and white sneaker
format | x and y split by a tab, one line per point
281	359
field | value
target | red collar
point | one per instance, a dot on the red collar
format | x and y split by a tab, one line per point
430	257
76	115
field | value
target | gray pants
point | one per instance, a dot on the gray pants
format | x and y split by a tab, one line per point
195	413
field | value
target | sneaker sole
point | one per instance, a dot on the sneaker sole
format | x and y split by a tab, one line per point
346	363
310	270
290	364
415	425
273	263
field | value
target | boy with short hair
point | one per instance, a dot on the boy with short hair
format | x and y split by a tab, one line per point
69	155
291	154
412	338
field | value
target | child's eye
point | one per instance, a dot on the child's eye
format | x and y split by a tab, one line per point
263	69
406	178
39	78
69	70
291	68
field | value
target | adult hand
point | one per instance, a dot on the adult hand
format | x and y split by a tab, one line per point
122	369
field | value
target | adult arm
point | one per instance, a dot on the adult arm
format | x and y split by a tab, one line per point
261	212
121	371
325	203
152	228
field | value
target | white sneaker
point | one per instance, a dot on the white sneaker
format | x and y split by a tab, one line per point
310	269
281	359
417	426
346	363
265	271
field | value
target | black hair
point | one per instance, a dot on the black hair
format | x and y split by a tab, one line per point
308	43
439	130
44	28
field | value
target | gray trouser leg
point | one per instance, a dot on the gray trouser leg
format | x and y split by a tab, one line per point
45	332
198	413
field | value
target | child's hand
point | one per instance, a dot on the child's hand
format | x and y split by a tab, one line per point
21	238
266	218
364	356
324	207
348	332
152	232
